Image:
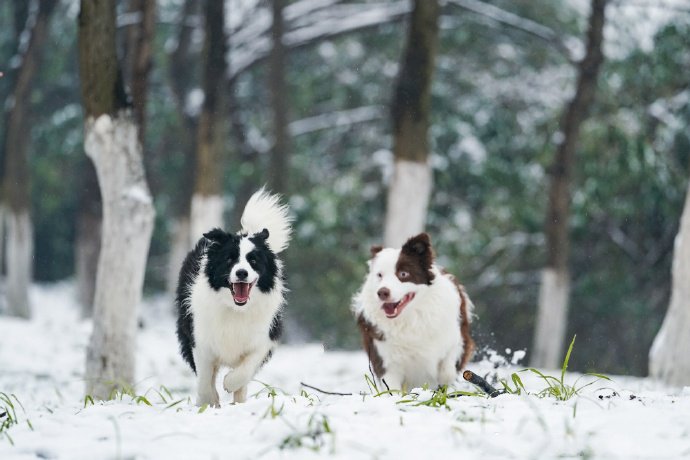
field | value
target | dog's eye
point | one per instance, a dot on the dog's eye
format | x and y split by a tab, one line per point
252	262
379	275
403	274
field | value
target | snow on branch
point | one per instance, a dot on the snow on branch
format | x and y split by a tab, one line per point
518	22
336	119
251	44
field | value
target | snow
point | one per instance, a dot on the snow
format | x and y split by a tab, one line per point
42	361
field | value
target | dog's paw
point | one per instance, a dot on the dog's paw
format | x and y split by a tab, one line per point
233	381
208	400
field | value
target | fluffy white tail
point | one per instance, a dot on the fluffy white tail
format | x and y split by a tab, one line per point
264	210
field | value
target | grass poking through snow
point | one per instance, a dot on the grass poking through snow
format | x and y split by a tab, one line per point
8	415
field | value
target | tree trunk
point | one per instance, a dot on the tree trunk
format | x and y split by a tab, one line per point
180	78
207	202
140	47
668	357
88	239
552	313
15	183
278	168
410	187
111	140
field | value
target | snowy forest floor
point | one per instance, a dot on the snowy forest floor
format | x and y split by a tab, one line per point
42	361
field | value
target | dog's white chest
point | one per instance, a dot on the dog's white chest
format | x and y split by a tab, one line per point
230	334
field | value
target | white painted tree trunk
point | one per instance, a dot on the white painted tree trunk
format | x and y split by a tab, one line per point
19	262
207	213
128	215
552	316
669	360
408	201
179	247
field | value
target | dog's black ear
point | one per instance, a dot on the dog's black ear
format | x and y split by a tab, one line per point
375	250
262	235
217	236
420	246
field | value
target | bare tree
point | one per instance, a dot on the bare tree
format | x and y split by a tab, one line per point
668	357
278	167
180	76
15	184
207	202
111	140
552	313
410	187
140	56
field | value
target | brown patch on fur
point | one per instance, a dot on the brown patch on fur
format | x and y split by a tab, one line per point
369	334
375	250
469	345
416	258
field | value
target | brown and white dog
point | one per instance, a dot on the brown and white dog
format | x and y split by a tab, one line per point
414	317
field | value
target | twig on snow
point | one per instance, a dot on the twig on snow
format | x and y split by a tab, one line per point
334	393
481	383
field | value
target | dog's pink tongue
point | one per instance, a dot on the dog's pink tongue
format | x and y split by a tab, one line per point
241	291
389	308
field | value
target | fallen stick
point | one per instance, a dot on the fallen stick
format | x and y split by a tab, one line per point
334	393
481	383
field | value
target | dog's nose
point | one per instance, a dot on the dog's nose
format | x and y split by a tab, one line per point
383	293
241	274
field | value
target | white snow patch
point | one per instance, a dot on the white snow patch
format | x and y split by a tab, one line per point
42	364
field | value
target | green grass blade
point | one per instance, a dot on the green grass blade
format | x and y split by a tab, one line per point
567	358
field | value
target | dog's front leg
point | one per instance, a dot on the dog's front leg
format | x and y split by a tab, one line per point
447	372
237	379
393	381
206	368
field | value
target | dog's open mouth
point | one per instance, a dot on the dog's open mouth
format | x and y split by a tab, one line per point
393	309
240	292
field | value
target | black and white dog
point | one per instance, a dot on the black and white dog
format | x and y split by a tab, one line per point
229	298
414	317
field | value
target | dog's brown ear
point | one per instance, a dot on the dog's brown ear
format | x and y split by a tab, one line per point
375	250
420	246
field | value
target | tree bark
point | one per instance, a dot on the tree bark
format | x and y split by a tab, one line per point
111	140
410	187
552	312
180	77
668	357
207	202
16	184
140	46
278	170
88	239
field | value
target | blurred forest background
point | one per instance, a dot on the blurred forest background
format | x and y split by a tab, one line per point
504	73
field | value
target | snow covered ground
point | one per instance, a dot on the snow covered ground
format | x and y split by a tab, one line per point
41	363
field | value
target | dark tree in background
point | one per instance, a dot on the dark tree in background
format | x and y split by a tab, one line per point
411	183
31	30
278	171
111	140
551	321
182	62
207	201
139	57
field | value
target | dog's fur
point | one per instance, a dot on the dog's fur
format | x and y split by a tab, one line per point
414	317
229	299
